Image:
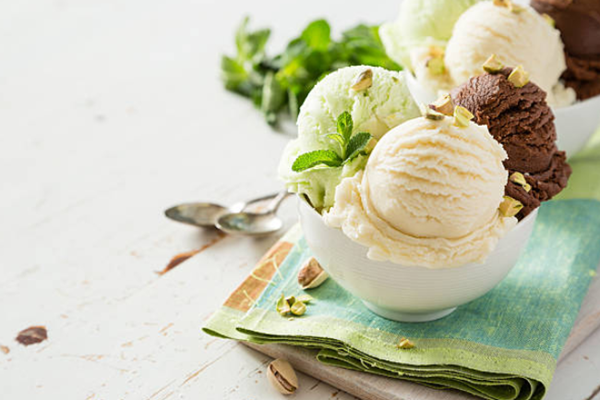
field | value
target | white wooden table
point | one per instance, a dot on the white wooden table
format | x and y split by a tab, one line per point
110	111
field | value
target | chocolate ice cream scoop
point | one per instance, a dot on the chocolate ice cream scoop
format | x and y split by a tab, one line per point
579	24
521	120
583	75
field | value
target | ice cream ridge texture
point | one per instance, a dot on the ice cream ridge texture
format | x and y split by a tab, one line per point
579	24
518	117
429	196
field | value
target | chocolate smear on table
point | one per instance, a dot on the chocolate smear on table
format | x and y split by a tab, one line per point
32	335
181	257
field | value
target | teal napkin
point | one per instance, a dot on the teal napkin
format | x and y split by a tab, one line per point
502	346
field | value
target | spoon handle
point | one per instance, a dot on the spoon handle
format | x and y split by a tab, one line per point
276	202
243	205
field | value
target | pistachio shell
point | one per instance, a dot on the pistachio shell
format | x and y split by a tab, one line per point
311	274
319	279
282	376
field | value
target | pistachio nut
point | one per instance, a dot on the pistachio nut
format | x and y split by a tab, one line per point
282	306
519	77
515	8
435	65
298	308
443	105
503	3
282	376
527	187
290	300
405	343
549	20
431	114
305	298
510	207
462	117
518	178
436	51
311	274
492	65
363	81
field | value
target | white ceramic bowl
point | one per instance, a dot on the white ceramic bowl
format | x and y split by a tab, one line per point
574	124
409	294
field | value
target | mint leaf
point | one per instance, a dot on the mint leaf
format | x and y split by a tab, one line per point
345	126
273	98
357	145
338	138
305	60
317	35
250	45
293	106
233	73
364	47
317	157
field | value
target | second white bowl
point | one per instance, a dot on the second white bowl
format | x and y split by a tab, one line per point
408	294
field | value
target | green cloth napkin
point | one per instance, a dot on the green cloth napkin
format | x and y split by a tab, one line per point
502	346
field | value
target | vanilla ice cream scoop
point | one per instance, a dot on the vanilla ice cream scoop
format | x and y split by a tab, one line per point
429	196
517	37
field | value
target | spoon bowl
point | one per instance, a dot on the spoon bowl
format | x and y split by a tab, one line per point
252	224
205	215
198	214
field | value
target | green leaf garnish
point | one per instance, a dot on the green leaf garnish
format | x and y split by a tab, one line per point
350	147
250	45
345	126
317	35
338	138
357	145
273	97
318	157
287	78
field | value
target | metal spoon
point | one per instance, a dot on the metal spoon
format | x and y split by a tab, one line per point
254	224
205	215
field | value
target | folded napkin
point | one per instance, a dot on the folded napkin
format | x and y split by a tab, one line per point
502	346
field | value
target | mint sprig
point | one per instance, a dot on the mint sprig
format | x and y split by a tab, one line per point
351	146
278	84
317	157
